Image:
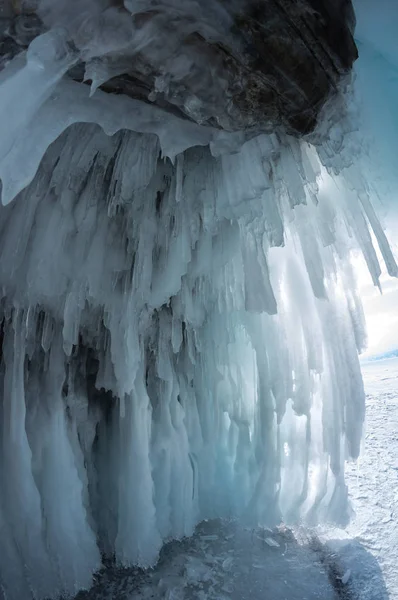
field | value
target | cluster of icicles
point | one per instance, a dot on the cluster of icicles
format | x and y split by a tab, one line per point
179	337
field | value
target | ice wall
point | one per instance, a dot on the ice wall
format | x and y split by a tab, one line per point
377	91
179	335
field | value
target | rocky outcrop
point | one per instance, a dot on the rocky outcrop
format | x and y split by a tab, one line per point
240	64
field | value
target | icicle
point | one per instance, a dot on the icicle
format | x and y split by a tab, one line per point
180	338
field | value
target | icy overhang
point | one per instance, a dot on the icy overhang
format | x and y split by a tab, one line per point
230	64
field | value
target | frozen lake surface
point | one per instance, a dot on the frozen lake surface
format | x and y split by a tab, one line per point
373	485
224	560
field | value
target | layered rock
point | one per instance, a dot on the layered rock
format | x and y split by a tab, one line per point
244	65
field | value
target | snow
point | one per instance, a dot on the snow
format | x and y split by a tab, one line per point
234	562
368	546
181	326
373	480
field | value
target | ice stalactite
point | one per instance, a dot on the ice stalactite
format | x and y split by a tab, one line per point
376	81
179	336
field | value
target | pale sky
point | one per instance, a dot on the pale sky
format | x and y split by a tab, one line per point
381	310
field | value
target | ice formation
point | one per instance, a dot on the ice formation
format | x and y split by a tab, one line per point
180	325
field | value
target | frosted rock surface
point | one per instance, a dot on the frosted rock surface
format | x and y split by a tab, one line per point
236	65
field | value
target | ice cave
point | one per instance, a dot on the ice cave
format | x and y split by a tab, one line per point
184	185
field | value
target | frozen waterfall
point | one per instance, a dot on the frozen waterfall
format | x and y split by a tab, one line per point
180	323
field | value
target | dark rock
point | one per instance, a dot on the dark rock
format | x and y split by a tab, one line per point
269	63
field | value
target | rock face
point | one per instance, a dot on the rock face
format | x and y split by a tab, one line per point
240	64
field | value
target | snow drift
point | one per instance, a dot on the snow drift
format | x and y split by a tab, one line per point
180	324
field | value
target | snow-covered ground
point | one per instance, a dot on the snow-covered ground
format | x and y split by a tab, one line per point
372	553
224	560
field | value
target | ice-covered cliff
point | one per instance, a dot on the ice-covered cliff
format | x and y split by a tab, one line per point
180	319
